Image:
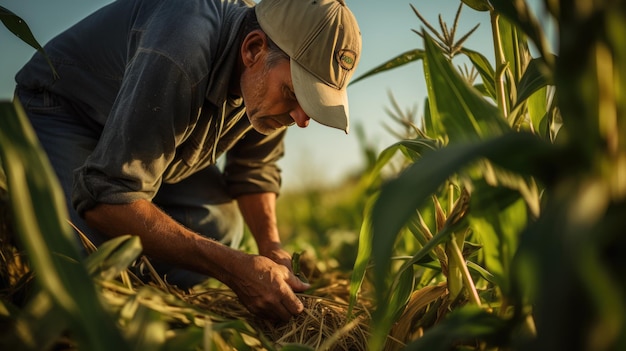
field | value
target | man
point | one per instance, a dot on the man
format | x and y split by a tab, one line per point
150	93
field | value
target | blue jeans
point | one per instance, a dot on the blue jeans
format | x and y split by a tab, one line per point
199	202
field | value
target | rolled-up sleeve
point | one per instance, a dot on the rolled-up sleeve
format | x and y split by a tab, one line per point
251	165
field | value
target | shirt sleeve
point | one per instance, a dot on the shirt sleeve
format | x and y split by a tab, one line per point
251	165
148	120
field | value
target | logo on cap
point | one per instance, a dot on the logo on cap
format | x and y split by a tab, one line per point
346	58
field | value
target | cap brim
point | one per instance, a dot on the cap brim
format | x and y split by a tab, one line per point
321	102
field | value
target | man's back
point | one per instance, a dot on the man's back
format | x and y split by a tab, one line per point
132	37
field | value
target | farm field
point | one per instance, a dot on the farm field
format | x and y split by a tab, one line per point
494	222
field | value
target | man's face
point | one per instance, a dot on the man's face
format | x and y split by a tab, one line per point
269	98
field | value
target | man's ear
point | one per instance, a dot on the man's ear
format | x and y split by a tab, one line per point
253	47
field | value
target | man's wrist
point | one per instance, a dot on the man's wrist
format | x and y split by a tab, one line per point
269	246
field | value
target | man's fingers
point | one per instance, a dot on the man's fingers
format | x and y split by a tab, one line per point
283	308
286	305
284	313
270	290
296	284
293	305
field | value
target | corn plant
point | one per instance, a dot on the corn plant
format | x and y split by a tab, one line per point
66	292
527	167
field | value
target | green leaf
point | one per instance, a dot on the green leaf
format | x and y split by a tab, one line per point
420	145
471	116
518	13
400	296
146	330
391	308
484	68
462	325
537	105
242	327
363	255
40	214
400	60
184	339
38	326
18	26
114	256
535	77
570	266
478	5
498	227
383	159
514	47
485	274
295	267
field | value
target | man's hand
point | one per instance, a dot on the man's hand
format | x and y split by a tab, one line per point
266	288
276	253
265	284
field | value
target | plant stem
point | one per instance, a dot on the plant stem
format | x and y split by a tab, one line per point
467	278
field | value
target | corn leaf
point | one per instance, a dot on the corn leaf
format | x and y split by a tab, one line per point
535	77
419	146
478	5
184	339
390	308
519	14
146	330
363	255
39	216
567	268
400	60
484	68
114	256
36	327
470	117
498	225
18	26
465	323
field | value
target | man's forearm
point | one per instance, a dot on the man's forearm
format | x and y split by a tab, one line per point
259	212
162	237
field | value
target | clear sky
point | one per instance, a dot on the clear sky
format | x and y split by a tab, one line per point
316	154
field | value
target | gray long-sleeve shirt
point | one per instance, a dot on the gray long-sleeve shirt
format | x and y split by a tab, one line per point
152	76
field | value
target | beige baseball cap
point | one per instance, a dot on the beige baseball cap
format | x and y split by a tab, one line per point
323	40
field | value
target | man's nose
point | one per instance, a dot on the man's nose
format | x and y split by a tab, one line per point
300	117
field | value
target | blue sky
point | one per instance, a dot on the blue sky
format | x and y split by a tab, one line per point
315	155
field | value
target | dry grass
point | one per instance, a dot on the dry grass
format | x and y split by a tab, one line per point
14	270
324	324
